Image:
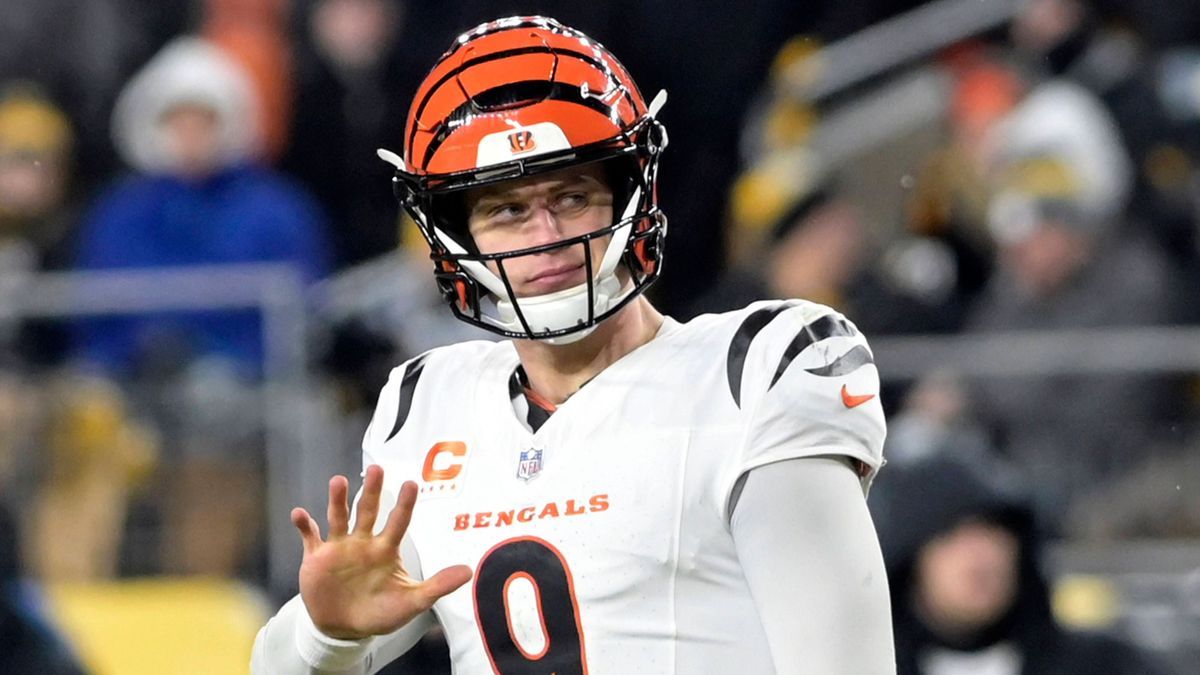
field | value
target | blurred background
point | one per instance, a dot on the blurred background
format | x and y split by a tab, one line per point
204	281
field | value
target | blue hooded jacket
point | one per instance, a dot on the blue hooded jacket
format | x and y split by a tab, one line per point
240	213
244	214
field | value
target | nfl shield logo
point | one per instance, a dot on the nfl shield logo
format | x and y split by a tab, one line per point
530	464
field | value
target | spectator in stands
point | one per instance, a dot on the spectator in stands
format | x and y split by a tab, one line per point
95	455
968	595
35	161
1060	182
81	53
352	81
935	416
814	244
254	33
37	210
77	486
80	66
186	122
28	644
947	207
1112	50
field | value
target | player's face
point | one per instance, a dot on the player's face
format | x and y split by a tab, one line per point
541	210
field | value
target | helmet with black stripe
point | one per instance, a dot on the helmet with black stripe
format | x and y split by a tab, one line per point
518	97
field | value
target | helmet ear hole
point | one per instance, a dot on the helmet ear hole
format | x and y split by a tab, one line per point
645	257
624	176
457	288
647	250
450	215
460	289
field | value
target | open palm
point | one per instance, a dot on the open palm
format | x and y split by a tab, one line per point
353	583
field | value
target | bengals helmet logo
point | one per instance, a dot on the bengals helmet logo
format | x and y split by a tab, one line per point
521	141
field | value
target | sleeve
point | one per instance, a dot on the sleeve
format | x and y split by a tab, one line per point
809	553
807	385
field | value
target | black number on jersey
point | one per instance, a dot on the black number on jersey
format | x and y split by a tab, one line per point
543	566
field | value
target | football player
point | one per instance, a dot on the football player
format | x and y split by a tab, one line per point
608	490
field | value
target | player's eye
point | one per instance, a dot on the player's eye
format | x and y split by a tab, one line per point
569	202
506	213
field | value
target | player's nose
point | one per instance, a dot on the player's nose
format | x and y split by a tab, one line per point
544	227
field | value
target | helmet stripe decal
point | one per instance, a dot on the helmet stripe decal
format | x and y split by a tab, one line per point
501	26
537	23
432	90
558	92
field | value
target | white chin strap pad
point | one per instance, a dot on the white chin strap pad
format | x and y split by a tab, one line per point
559	310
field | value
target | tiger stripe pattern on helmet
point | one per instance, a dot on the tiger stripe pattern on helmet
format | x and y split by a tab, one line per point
554	73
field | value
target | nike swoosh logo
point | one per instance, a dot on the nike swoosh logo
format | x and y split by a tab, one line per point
852	400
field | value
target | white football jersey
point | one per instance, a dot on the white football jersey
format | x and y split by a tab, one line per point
601	542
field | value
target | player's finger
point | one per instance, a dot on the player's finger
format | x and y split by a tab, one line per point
339	510
397	522
368	504
445	582
310	534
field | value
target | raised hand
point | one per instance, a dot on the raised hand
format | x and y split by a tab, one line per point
353	583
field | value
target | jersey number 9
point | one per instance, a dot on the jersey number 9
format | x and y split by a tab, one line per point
526	610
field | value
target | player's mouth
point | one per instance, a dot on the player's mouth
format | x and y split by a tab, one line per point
556	278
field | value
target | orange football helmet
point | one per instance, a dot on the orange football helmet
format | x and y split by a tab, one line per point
513	98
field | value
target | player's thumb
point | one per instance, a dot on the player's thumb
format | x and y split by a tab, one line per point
445	582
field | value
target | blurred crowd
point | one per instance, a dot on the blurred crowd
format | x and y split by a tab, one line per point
1052	188
1039	173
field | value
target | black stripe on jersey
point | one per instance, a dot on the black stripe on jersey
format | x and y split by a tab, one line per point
846	363
518	385
735	361
408	386
557	91
537	416
825	327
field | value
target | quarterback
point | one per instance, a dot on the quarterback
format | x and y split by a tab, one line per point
608	490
